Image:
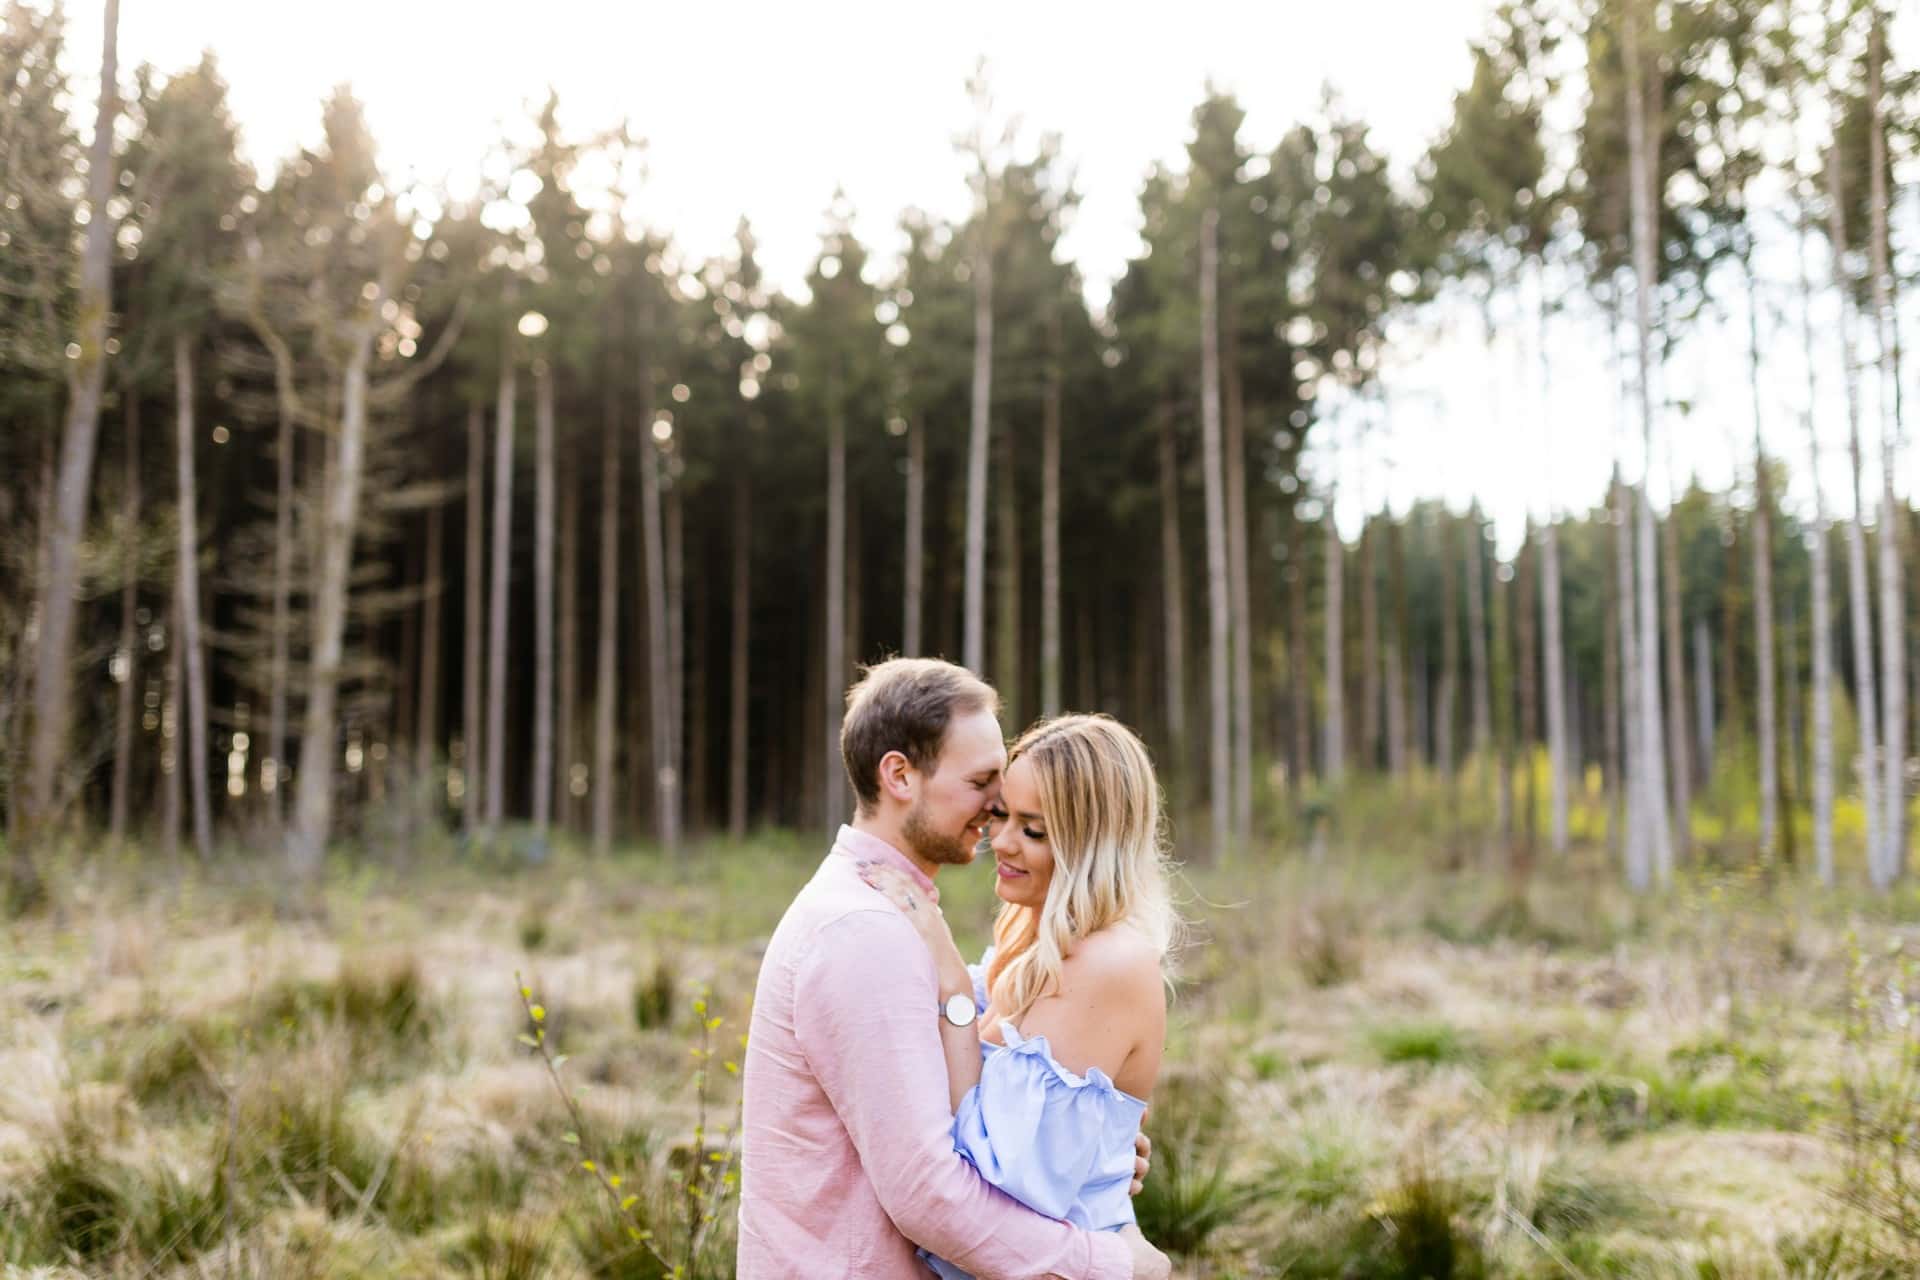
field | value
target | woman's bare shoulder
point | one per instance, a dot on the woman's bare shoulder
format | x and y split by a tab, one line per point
1116	958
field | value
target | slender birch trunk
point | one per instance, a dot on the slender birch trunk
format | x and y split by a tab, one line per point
1477	637
659	695
172	802
427	716
124	711
1006	664
1644	163
472	649
1769	733
1866	703
1558	765
1893	609
1333	731
1822	623
1674	654
567	698
1445	716
1239	597
1638	838
1703	694
1219	600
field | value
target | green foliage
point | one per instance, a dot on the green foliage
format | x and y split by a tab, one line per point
1193	1192
1430	1042
654	995
381	1006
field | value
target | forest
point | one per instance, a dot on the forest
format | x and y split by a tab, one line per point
385	568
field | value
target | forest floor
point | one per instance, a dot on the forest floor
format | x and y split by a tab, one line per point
1380	1065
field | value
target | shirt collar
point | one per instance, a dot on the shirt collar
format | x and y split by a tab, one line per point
863	846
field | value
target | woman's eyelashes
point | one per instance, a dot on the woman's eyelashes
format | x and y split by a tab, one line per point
1031	834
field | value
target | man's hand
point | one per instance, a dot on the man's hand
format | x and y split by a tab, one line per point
1142	1162
1148	1262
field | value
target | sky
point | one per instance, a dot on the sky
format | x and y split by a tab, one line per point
764	109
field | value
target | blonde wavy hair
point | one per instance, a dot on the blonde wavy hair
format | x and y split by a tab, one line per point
1110	864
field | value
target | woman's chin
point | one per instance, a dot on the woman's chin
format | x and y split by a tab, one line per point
1010	891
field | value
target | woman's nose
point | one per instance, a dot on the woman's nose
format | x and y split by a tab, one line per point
1002	832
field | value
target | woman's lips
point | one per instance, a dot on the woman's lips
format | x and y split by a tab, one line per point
1006	872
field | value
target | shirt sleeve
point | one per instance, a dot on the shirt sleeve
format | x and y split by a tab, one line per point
866	1003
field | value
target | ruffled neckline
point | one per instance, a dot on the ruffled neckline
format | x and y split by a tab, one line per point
1036	1047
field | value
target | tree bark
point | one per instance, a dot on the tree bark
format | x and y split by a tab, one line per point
1219	599
1644	164
1239	603
1173	592
1703	695
1559	768
1766	715
471	648
313	801
1866	704
427	718
659	689
973	645
1299	666
496	731
188	584
606	667
1611	691
1370	699
1822	621
274	773
172	802
1893	610
1396	673
566	735
544	501
1007	629
1674	653
676	566
53	675
1445	715
1051	411
834	671
1334	731
1477	637
916	553
1637	839
739	691
124	709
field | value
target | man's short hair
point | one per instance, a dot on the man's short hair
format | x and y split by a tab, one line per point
905	705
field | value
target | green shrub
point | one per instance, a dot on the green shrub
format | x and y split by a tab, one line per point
1192	1193
655	995
1430	1042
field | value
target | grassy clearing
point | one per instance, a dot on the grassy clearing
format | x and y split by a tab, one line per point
1389	1064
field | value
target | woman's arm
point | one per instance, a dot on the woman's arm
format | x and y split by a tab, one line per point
960	1045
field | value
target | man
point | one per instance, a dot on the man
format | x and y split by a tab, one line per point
847	1148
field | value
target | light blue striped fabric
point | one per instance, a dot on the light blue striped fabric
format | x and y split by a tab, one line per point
1060	1143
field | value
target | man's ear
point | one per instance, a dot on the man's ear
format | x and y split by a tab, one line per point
898	777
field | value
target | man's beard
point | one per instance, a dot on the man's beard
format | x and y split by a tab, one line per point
934	847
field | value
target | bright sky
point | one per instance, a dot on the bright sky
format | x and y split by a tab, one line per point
763	108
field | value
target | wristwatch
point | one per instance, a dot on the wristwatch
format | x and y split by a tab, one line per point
959	1010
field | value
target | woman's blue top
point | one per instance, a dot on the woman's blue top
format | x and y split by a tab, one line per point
1060	1143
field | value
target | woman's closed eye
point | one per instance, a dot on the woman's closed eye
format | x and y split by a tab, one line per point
1031	834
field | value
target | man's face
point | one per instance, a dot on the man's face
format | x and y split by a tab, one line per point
956	795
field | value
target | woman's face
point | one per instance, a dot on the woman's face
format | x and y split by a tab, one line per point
1022	852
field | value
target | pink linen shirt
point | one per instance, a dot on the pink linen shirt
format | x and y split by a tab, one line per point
847	1156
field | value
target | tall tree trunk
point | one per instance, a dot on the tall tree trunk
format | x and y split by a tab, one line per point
427	727
1396	674
188	584
1007	629
1636	835
128	654
1893	610
1239	605
53	674
1477	636
1526	637
1644	163
1703	696
472	649
172	802
544	501
1173	591
1050	703
1370	701
1762	585
496	731
738	690
1445	716
916	554
694	692
834	671
1611	691
1219	603
1679	748
313	799
274	772
1559	768
1822	621
566	760
606	657
676	567
1334	731
659	687
1299	665
1866	704
973	647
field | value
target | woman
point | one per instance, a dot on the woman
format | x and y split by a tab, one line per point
1050	1083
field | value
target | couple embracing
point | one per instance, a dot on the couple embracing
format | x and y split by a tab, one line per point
908	1114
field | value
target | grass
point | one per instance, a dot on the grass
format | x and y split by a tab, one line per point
1379	1066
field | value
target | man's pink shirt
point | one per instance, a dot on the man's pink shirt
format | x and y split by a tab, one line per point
847	1144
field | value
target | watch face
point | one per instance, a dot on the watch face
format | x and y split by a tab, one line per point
960	1010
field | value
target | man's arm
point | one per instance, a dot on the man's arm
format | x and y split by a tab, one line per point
866	1016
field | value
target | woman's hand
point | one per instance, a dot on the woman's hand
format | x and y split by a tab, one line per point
924	914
